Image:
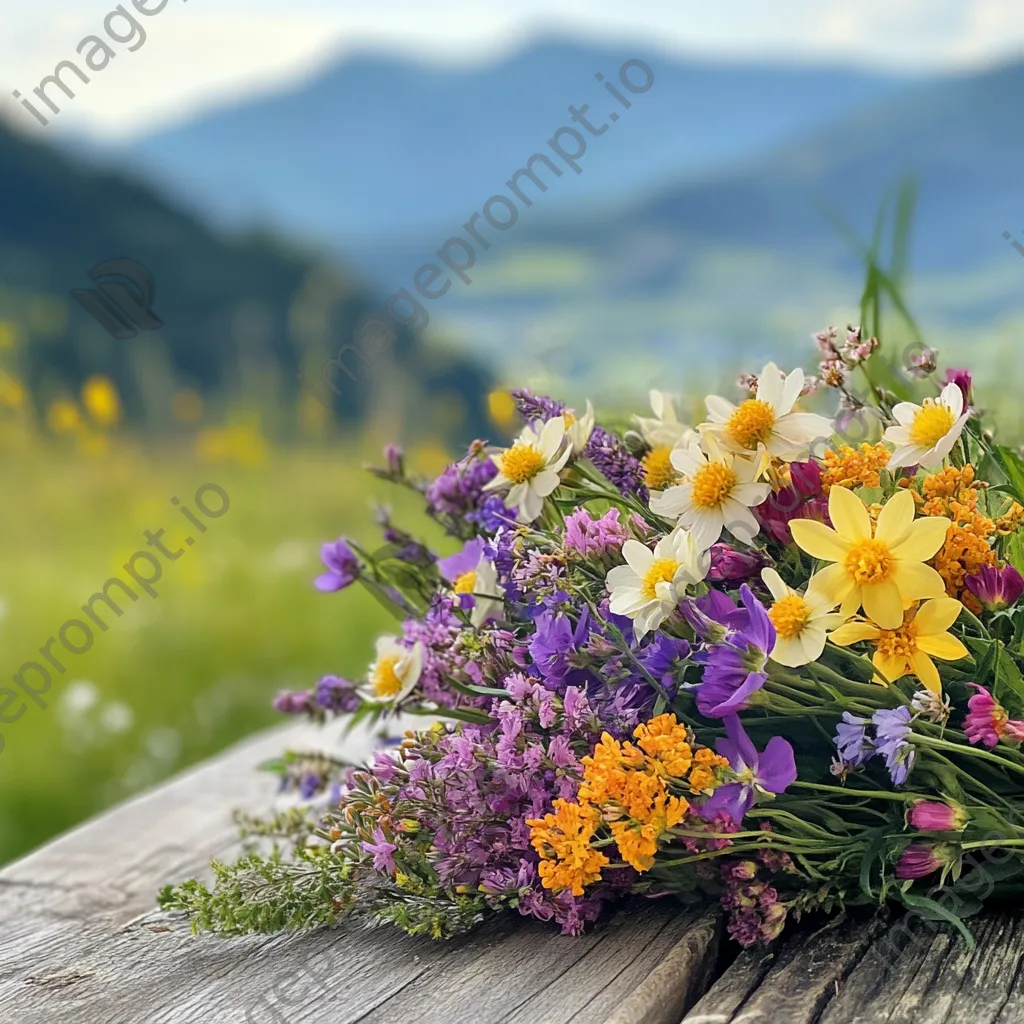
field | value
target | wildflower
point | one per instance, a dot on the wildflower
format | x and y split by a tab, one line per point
664	658
962	379
767	420
579	430
909	650
731	566
716	494
878	568
529	469
936	816
472	575
852	468
649	586
342	567
987	721
919	860
800	498
396	669
614	461
925	434
562	840
734	668
666	743
382	851
800	621
336	695
932	706
594	538
852	740
996	588
458	491
892	729
664	431
757	774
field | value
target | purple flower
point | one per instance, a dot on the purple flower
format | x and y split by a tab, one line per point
663	657
554	643
382	852
962	379
536	407
919	860
892	727
462	562
615	461
734	668
337	695
299	702
459	490
936	816
395	459
342	566
769	772
731	566
852	740
996	588
594	538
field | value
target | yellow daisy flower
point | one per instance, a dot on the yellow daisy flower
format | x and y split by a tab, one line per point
800	621
880	570
909	650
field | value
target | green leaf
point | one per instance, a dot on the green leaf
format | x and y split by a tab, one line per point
931	910
1013	469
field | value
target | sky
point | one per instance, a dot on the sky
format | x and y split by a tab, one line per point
200	54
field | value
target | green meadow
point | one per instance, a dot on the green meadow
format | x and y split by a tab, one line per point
178	677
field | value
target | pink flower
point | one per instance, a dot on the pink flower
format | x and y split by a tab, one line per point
987	721
920	859
996	588
962	379
936	816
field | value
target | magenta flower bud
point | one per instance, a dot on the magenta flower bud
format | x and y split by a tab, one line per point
394	457
731	566
936	816
919	860
996	588
962	379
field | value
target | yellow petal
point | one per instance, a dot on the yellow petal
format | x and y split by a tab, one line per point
833	584
818	540
937	616
851	632
890	667
925	670
924	538
852	601
883	604
848	514
895	518
918	581
944	646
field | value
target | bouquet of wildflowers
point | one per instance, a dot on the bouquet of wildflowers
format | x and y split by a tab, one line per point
753	661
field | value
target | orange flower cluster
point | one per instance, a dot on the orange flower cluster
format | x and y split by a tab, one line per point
954	493
625	786
850	467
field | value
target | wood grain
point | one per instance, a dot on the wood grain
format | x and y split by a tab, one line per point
81	942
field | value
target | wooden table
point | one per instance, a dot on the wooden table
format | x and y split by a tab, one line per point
81	942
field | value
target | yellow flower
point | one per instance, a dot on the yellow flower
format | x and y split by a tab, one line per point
562	839
879	568
800	621
101	401
848	467
909	649
62	417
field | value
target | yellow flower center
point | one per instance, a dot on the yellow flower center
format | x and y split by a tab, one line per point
659	472
789	615
663	570
712	484
897	643
466	583
521	462
869	561
751	423
569	417
386	682
931	424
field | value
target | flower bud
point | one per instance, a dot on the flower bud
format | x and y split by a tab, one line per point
919	860
936	816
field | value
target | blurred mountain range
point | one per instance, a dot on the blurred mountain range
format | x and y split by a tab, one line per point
242	312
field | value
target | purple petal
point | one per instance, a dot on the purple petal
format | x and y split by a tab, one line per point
777	768
328	582
733	799
742	743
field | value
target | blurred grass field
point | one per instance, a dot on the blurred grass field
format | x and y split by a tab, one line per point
178	677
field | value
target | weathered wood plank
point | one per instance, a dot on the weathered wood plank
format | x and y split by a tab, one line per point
81	942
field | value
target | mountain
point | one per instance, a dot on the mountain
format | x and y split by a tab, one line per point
380	147
240	313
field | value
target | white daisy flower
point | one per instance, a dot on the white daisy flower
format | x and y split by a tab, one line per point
529	469
664	430
396	669
768	419
716	494
925	434
482	585
579	430
800	621
650	585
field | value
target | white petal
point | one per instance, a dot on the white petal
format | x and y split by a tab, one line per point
953	399
773	581
639	557
904	412
770	386
719	410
